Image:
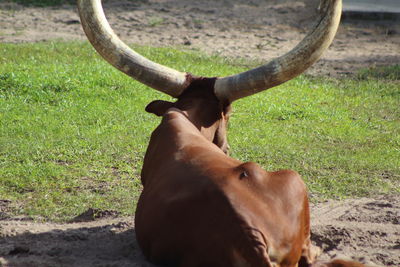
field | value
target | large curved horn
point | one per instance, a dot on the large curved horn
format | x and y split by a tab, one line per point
118	54
287	66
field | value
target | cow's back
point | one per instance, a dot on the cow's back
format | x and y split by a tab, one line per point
200	207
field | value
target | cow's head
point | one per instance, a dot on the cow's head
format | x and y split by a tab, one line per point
206	101
200	105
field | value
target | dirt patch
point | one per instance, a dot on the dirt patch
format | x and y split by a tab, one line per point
363	229
106	242
366	229
4	208
255	29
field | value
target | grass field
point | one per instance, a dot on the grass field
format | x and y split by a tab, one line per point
73	131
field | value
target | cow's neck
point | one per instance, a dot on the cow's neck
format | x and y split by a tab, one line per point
201	118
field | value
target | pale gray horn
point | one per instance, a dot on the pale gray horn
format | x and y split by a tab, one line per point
118	54
288	66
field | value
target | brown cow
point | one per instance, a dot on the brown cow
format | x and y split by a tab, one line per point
200	207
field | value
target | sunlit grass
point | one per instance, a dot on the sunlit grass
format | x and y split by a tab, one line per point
73	131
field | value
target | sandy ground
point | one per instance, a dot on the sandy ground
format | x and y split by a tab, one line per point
363	229
367	228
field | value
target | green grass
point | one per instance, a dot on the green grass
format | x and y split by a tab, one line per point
73	131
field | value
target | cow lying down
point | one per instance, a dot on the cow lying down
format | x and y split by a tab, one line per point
200	207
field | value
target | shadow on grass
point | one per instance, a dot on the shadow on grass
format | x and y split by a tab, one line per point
384	72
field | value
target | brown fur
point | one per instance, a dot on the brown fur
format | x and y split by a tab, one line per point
199	207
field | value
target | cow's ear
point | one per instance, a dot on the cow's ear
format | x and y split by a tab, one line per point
159	107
